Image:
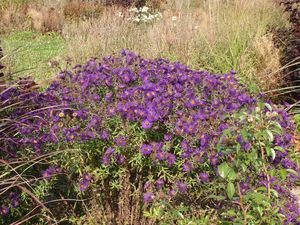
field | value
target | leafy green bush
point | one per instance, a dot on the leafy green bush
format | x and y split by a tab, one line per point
137	141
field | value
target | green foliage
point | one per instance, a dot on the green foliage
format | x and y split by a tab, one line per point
31	53
297	122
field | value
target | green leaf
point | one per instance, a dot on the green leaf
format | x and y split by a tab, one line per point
269	106
244	167
231	213
271	152
224	135
244	133
274	192
259	198
223	169
230	190
278	148
216	197
270	135
283	173
264	189
231	174
292	171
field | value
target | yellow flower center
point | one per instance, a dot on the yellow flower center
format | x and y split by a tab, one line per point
61	114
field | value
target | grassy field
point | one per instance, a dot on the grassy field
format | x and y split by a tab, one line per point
216	35
30	53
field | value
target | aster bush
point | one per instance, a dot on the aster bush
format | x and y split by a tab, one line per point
150	141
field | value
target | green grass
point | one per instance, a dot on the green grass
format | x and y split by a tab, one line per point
30	53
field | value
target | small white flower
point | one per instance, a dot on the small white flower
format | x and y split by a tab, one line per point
136	19
144	9
151	17
120	14
174	18
133	10
250	119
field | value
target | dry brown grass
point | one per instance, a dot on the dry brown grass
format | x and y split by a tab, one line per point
215	35
268	64
78	9
46	19
35	15
12	18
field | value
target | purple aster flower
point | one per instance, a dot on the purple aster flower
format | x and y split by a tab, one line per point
244	186
171	193
204	140
190	128
111	111
95	121
85	182
146	149
109	151
187	167
148	185
192	103
104	135
182	187
81	114
264	181
159	183
95	97
152	116
288	164
146	124
171	159
120	159
121	141
185	145
108	97
4	210
83	185
157	146
204	177
160	155
148	197
213	160
246	146
87	177
168	137
106	160
186	154
87	135
51	171
15	199
222	127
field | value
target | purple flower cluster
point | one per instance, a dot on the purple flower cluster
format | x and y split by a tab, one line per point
13	202
111	156
85	182
51	171
182	113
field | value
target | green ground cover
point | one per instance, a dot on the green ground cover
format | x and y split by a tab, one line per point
31	53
